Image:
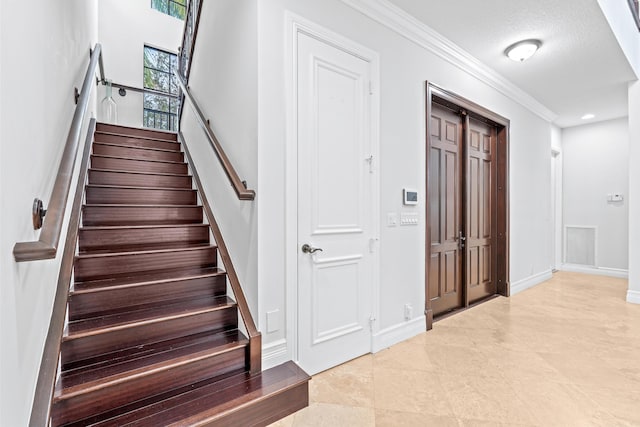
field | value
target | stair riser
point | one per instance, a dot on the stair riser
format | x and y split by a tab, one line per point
93	268
125	179
156	215
263	412
100	239
111	340
136	142
128	165
137	153
100	303
108	398
144	196
146	133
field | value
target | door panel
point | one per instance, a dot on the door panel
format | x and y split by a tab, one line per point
334	193
445	209
481	183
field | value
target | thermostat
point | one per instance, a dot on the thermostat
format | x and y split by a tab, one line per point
409	197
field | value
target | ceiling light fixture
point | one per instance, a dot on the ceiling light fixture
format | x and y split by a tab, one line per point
523	50
588	116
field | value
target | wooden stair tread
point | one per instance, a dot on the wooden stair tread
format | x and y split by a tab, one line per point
129	205
127	135
139	173
147	279
150	133
213	400
141	227
136	248
134	147
103	156
128	318
142	252
147	359
132	187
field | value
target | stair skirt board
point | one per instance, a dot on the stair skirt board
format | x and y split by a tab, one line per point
152	336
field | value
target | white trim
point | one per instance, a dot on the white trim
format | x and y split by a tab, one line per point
274	354
398	333
530	282
294	25
396	19
633	297
598	271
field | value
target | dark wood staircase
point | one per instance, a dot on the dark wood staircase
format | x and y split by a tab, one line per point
153	337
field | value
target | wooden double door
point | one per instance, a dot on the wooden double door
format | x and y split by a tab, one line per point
464	210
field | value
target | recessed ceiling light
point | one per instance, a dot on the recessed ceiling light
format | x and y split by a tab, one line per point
588	116
523	50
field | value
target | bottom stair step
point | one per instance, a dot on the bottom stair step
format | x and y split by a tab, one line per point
240	400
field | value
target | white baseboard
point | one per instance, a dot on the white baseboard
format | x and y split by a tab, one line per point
633	297
398	333
530	282
274	354
598	271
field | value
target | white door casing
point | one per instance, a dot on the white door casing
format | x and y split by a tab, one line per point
336	201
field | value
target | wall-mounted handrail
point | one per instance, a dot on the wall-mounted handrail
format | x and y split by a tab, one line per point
238	185
241	300
46	247
41	408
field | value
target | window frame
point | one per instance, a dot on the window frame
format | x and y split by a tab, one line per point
176	5
162	120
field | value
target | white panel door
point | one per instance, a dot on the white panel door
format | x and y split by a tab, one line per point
334	205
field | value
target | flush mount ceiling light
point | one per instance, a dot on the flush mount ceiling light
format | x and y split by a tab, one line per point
523	50
588	116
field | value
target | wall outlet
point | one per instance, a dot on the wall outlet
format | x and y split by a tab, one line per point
273	321
408	312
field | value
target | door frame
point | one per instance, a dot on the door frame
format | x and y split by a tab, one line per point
295	25
501	254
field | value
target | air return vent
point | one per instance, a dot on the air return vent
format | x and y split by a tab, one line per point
580	245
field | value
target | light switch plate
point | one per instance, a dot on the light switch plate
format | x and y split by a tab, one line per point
392	219
409	219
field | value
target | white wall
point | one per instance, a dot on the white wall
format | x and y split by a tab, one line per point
633	294
404	68
224	82
595	164
44	53
124	28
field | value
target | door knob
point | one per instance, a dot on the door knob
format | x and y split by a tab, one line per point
461	239
310	249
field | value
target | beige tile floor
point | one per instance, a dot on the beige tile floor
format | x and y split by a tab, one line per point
564	353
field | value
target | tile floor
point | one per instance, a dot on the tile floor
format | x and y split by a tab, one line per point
564	353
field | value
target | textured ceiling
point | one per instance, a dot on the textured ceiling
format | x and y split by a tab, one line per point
579	69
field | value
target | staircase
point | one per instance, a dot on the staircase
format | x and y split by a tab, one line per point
152	336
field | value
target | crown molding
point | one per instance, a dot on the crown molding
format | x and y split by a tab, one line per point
396	19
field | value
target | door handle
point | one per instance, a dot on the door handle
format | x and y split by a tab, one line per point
461	239
307	249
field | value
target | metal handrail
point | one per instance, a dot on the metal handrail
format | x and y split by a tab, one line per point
238	185
46	247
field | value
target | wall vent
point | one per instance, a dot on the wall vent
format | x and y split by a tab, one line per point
580	245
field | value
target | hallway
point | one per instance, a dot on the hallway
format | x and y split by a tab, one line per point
564	353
